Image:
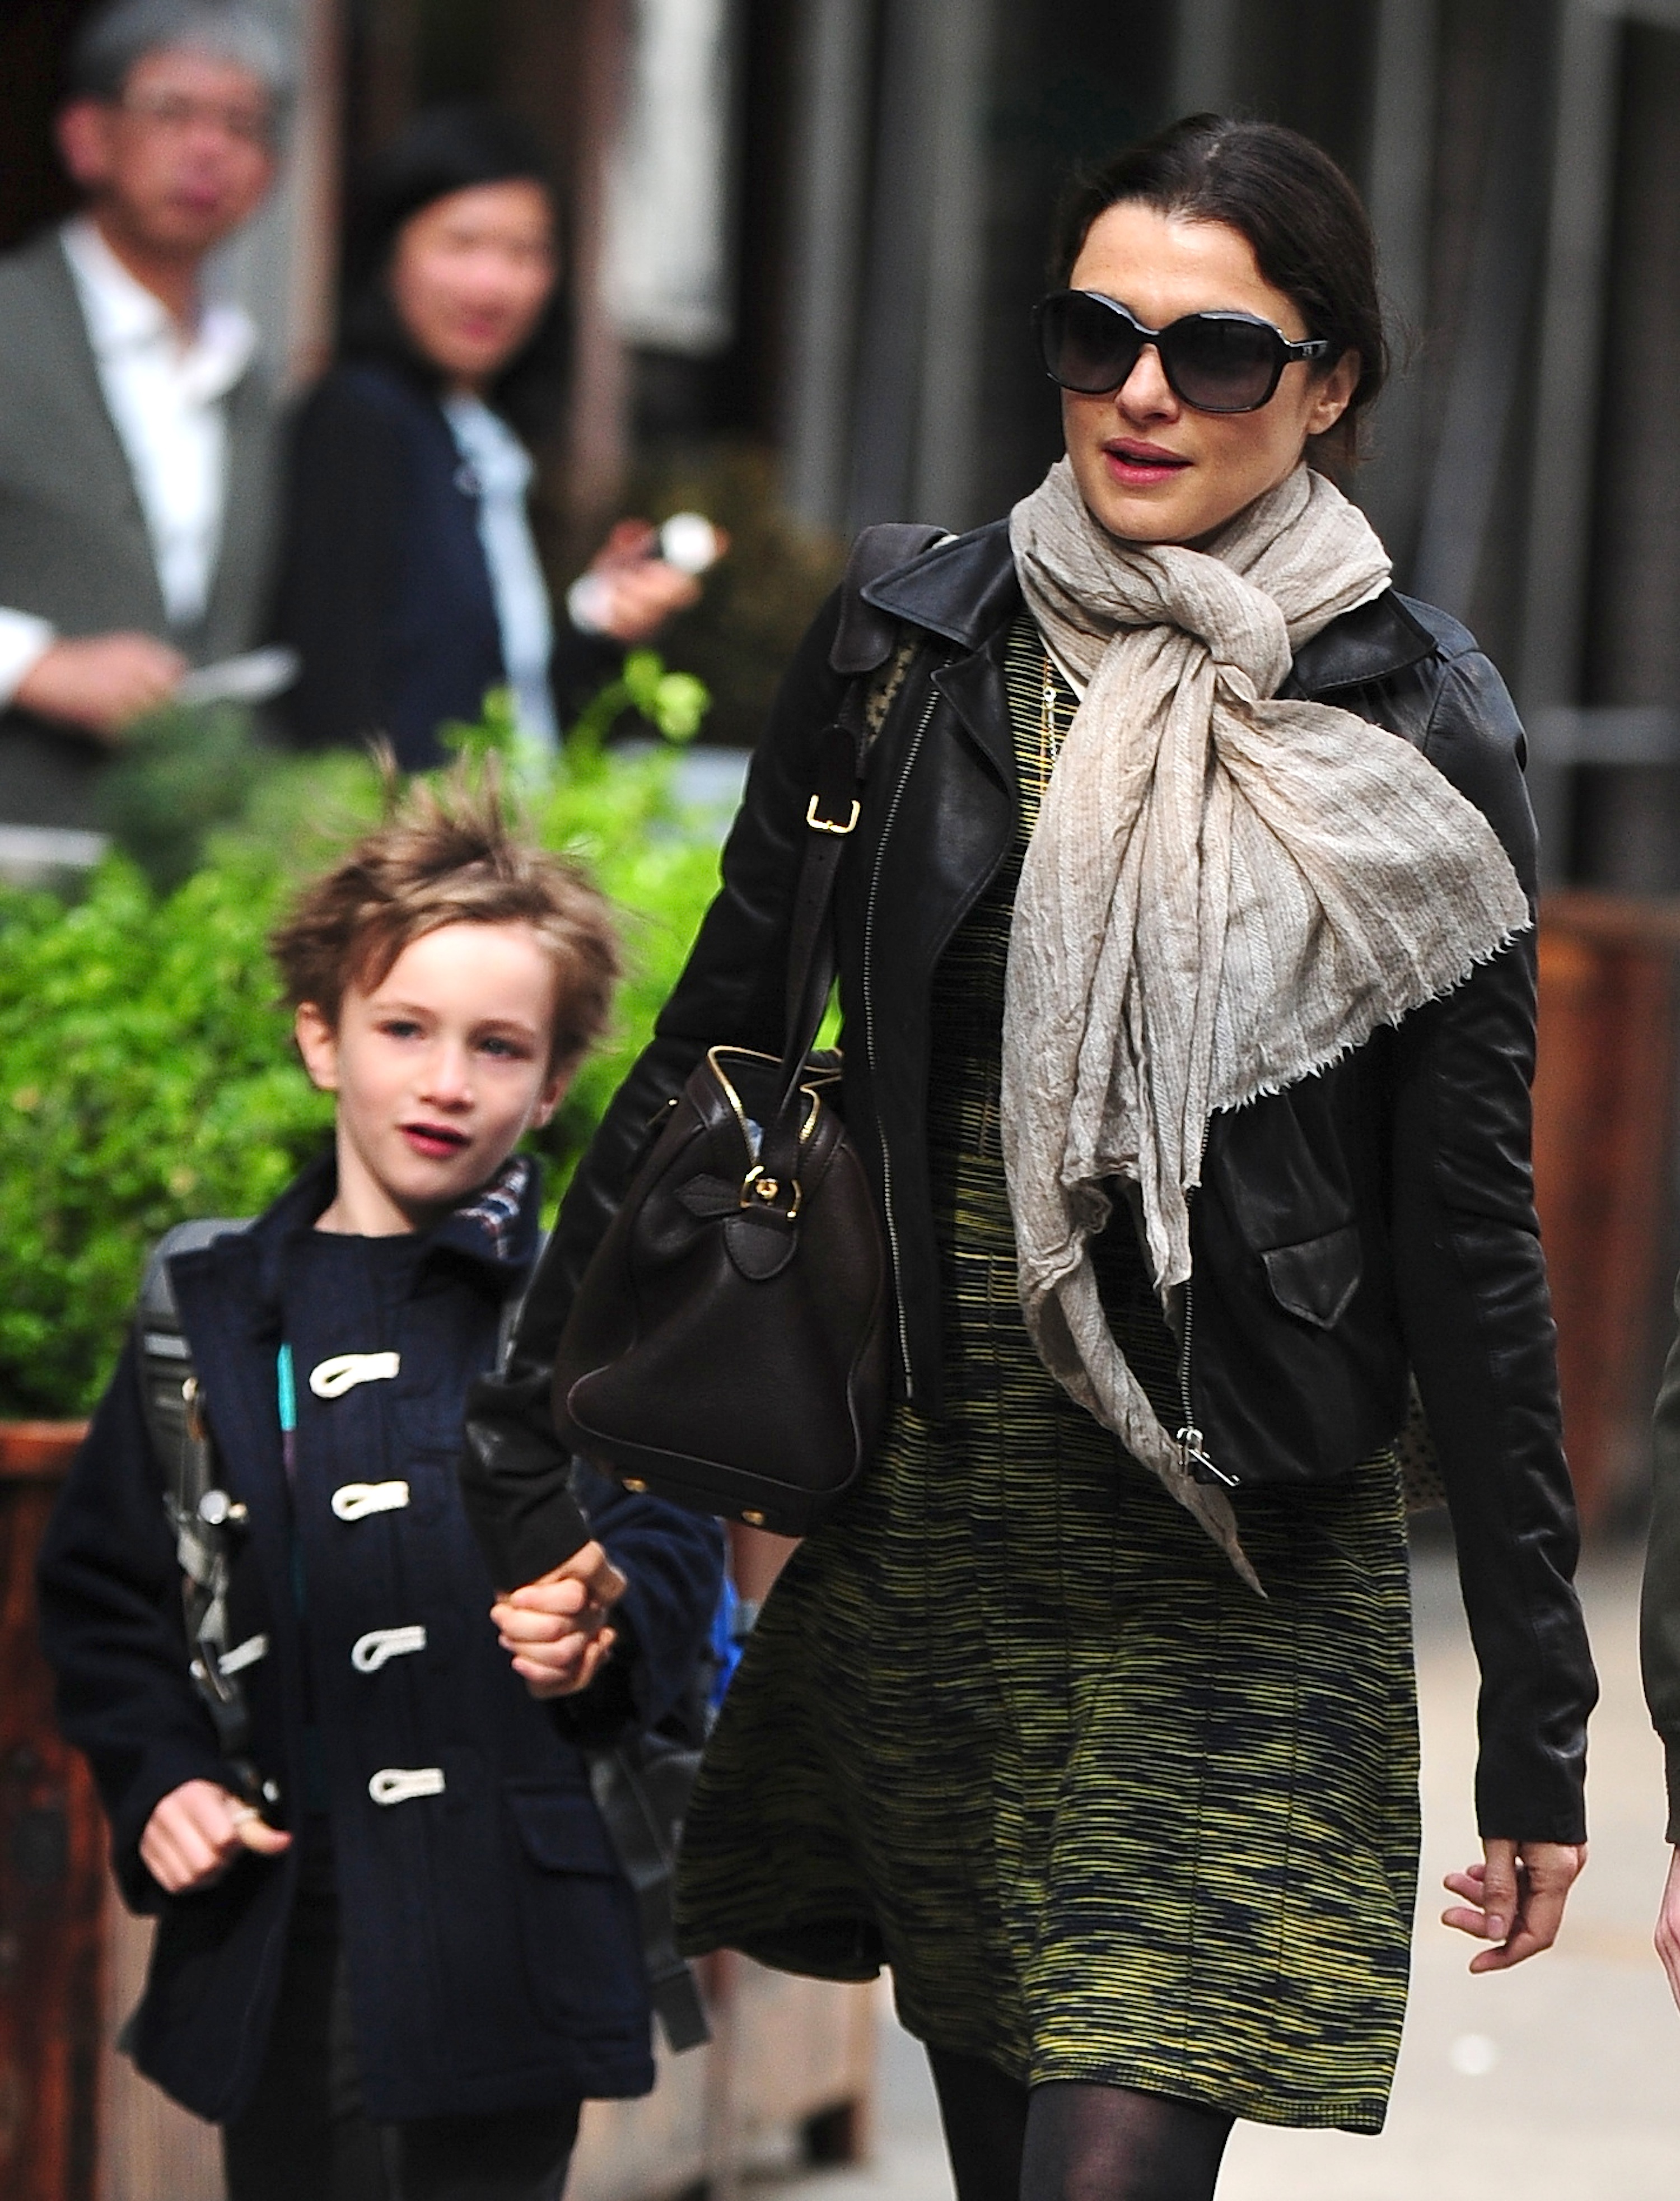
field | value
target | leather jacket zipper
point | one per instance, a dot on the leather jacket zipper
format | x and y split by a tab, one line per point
869	1041
1192	1446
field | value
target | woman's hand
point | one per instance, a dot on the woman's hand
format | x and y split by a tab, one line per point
197	1831
1668	1925
630	592
556	1628
1515	1898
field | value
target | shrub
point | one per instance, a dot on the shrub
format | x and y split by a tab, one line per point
146	1072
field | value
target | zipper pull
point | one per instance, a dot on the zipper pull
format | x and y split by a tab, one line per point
1196	1462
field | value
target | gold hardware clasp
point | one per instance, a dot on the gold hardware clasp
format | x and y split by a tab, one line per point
827	825
768	1191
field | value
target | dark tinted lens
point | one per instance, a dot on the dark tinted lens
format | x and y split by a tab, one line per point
1087	345
1220	365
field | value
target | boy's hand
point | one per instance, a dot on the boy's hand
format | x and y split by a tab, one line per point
1514	1899
197	1831
556	1628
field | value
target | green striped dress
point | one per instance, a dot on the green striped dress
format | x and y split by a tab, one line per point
1011	1725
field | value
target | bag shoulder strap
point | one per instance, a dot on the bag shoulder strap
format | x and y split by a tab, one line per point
867	642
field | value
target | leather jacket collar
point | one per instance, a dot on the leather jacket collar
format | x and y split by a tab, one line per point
964	589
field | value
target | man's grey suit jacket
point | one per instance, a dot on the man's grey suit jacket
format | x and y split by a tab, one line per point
73	547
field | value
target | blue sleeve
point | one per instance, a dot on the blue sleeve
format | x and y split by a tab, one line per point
674	1563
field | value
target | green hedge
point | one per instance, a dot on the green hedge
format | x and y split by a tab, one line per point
146	1072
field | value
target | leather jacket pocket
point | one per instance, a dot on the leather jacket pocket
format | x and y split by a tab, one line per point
1316	1278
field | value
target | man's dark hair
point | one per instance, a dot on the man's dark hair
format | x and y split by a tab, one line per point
444	150
113	39
1311	235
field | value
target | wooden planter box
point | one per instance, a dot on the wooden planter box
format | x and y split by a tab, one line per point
77	2123
1604	1165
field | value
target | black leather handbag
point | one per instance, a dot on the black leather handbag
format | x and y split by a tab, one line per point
728	1349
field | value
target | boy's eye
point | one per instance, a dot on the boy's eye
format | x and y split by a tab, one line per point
507	1050
399	1028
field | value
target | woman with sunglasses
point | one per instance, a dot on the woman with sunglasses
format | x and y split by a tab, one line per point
1186	965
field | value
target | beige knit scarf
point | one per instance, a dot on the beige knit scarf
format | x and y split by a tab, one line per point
1224	892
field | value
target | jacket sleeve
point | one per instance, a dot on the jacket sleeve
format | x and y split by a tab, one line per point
1476	1312
336	581
674	1563
1660	1606
730	992
112	1630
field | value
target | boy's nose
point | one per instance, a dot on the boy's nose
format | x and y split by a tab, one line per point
449	1078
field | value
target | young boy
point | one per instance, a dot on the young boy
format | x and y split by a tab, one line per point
402	1977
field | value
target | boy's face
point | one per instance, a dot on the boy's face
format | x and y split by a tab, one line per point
438	1072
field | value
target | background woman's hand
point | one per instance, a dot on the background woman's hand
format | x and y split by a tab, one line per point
1668	1925
1514	1899
556	1628
630	590
196	1833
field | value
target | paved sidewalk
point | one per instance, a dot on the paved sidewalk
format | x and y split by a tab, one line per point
1555	2082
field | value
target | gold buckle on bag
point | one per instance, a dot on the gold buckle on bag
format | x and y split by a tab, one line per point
827	825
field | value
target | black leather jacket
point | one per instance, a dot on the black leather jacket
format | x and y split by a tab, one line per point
1374	1220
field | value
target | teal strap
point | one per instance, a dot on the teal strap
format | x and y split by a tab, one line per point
288	1390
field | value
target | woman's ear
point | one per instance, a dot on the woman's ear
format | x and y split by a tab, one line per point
318	1044
1332	397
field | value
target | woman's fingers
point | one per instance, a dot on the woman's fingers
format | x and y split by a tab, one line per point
1668	1926
1515	1899
564	1668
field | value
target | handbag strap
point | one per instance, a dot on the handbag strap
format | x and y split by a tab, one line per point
831	817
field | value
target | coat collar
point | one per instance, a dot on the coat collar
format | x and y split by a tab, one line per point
965	588
497	1228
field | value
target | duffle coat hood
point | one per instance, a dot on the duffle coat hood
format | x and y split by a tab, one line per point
491	1938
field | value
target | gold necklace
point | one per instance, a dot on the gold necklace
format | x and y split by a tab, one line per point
1049	740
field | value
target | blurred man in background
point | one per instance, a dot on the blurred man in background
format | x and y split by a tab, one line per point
136	427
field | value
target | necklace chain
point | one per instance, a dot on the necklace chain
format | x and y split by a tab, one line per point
1049	734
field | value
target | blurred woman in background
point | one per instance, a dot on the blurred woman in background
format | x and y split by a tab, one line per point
409	583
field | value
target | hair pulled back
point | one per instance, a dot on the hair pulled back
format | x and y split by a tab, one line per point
1310	234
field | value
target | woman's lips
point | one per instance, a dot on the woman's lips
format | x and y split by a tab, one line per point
1136	466
437	1141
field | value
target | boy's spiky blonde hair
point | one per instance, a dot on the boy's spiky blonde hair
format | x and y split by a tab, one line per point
448	854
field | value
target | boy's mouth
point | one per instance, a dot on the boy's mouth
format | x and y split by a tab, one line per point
437	1141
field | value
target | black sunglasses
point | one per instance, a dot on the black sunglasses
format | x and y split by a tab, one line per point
1216	362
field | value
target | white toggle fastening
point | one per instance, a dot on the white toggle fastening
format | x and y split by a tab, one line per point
371	1650
331	1379
400	1784
244	1654
355	1502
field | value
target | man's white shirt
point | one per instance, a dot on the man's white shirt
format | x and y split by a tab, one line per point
165	398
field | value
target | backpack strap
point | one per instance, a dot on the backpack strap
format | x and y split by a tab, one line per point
206	1522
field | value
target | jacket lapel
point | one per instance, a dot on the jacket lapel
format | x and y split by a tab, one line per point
98	454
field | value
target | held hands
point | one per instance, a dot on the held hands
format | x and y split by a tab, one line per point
556	1628
102	684
1515	1899
198	1831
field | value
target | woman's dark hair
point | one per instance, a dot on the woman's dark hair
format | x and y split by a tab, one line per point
1310	233
444	150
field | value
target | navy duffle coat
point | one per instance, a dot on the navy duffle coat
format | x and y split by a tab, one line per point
490	1938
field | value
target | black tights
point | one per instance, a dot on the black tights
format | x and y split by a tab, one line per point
1070	2139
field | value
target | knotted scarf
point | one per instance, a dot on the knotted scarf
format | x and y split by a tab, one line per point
1224	892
